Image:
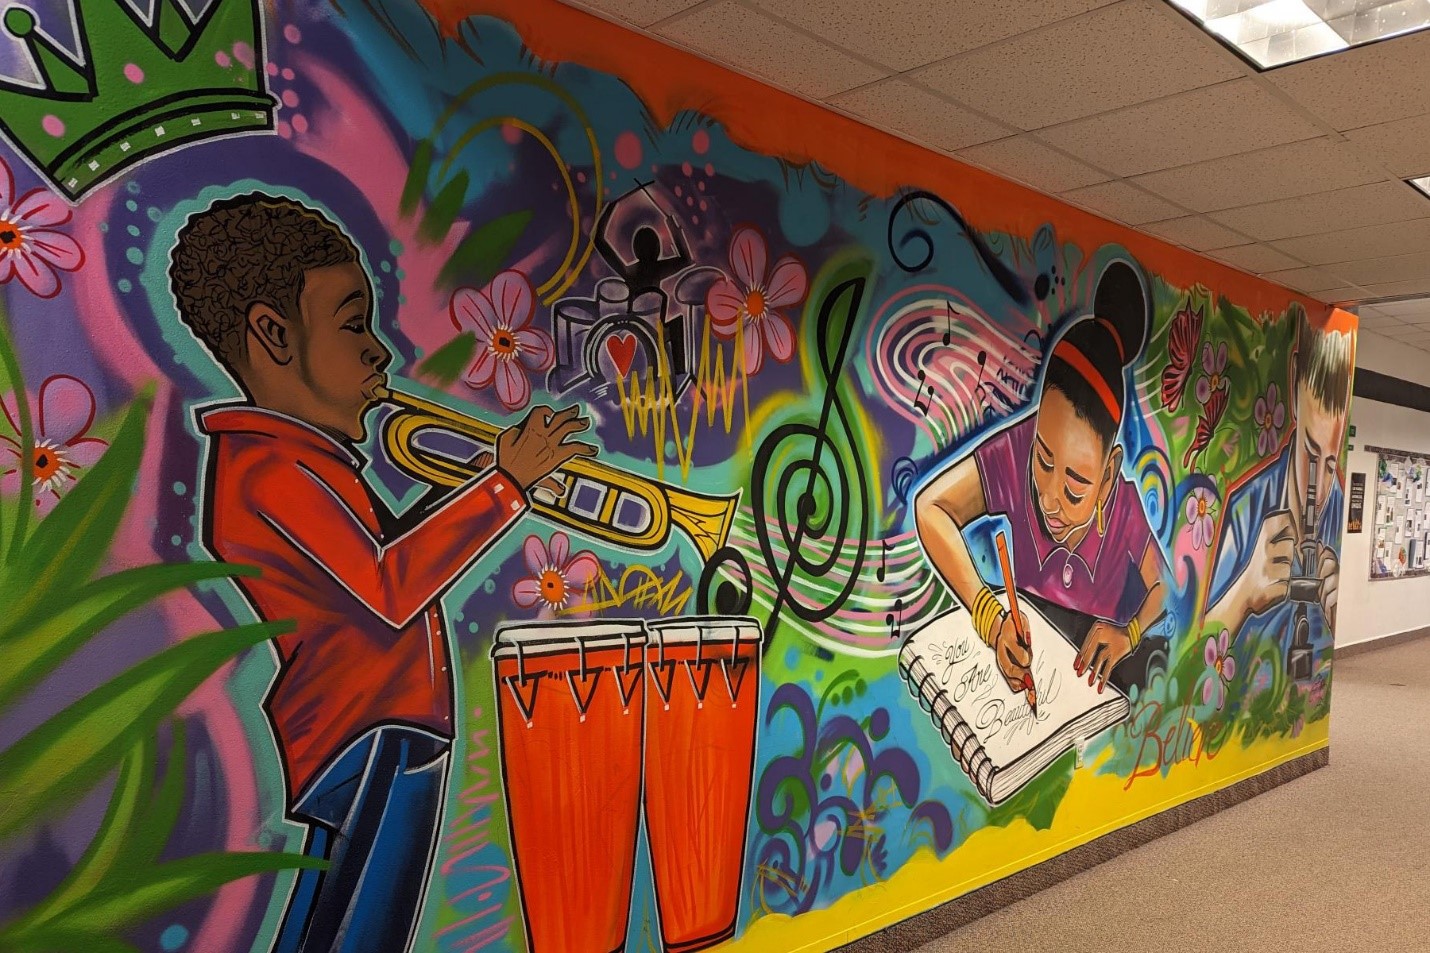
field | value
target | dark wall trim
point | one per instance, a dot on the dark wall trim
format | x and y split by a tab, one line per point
1382	642
921	928
1372	385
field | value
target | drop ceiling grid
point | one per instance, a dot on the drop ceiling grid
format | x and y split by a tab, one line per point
1020	94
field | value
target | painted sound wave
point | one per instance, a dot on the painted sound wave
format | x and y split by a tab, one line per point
881	608
949	368
649	405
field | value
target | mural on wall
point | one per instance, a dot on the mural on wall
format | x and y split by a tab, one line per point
449	502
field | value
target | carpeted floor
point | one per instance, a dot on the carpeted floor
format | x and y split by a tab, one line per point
1336	861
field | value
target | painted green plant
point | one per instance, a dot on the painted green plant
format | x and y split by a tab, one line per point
55	603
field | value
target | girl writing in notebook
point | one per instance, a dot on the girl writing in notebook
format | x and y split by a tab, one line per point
1080	538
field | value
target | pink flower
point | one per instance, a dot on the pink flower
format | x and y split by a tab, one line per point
30	249
65	412
507	346
1199	509
1270	414
554	578
1221	669
752	299
1214	364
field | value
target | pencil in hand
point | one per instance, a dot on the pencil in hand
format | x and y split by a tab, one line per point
1024	636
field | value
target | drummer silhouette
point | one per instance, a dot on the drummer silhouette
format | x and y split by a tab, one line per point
649	270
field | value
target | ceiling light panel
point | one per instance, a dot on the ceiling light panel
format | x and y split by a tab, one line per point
1276	32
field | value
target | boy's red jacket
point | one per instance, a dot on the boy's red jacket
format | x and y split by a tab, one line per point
369	647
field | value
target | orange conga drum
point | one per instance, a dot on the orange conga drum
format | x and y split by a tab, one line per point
703	698
571	705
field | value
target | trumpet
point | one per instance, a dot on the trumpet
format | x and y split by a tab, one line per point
595	499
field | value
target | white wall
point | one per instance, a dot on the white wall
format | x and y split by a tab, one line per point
1374	609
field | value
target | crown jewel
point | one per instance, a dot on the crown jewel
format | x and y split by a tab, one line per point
139	87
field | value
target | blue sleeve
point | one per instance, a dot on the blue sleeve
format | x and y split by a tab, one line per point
1241	522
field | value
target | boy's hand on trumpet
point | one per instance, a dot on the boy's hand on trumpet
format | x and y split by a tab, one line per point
539	445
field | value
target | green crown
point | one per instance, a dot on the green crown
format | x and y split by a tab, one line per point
138	89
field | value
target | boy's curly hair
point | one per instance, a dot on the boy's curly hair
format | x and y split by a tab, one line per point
246	250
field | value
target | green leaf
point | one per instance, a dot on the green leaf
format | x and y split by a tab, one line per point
15	383
484	252
440	215
33	643
448	362
107	849
150	892
151	832
59	761
68	545
417	171
60	940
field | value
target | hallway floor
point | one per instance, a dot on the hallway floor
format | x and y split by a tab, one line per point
1336	861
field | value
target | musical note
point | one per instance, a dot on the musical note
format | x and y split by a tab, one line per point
981	391
895	620
948	335
821	491
883	569
921	405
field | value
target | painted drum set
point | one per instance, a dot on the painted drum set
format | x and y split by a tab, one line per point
600	720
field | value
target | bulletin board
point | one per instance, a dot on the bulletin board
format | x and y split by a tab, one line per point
1401	515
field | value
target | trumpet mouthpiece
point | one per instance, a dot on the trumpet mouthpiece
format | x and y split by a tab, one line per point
380	392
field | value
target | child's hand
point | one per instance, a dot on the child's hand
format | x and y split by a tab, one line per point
537	446
1104	647
548	490
1015	657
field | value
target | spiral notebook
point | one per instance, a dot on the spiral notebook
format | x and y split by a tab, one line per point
989	728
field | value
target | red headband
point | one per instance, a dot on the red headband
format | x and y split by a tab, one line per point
1074	358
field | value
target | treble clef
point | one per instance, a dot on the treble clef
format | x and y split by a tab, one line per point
820	489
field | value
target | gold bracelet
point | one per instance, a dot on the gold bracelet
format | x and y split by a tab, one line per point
1134	632
986	613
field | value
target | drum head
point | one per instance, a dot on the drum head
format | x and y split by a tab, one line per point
566	635
688	630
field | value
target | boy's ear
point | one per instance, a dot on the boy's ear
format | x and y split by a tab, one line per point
272	332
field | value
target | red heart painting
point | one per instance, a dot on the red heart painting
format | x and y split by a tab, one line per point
622	349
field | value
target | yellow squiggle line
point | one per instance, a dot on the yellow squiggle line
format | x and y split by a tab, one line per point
548	86
644	404
572	199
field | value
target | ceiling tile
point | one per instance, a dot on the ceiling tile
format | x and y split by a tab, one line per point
1412	310
1389	330
919	114
1285	171
1029	161
1402	146
1309	280
1345	295
1371	241
1124	202
747	39
1190	127
1389	289
1309	214
1371	84
1194	232
1399	331
1257	259
1116	56
639	12
882	28
1372	319
1381	270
